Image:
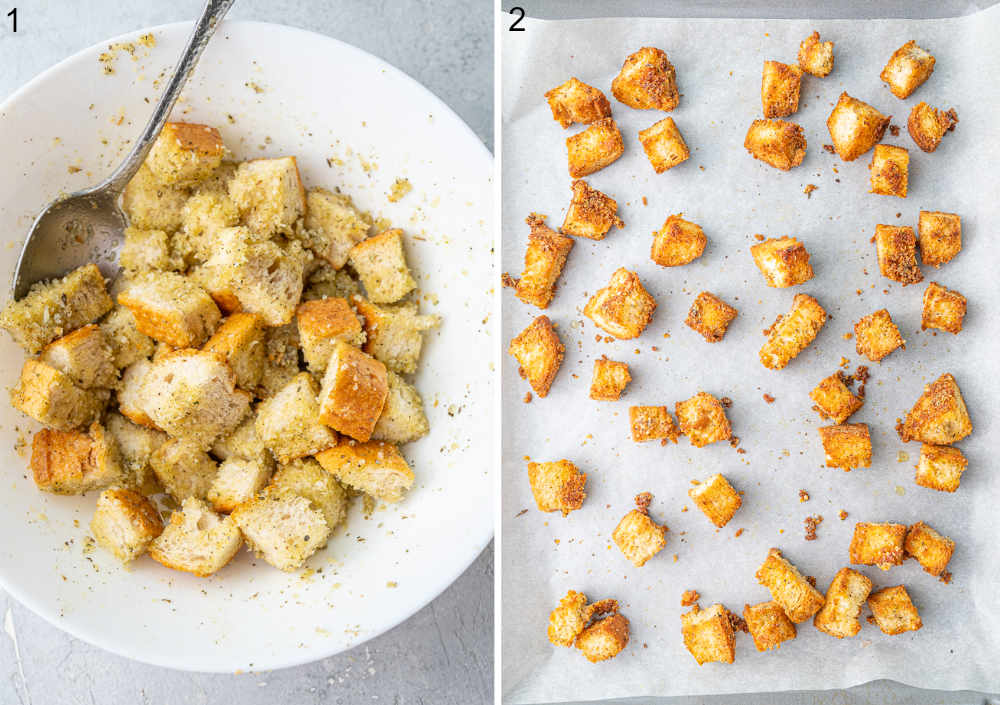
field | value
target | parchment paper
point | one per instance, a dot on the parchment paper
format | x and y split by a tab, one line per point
733	196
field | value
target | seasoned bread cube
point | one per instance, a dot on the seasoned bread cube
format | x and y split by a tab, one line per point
240	342
84	356
944	309
847	446
122	335
131	401
557	486
568	619
908	67
183	469
323	322
940	467
153	205
185	153
677	242
637	536
609	380
171	308
594	148
236	482
381	265
717	499
927	125
57	307
652	423
72	462
889	170
354	391
784	261
878	544
125	523
896	247
539	353
623	308
575	101
137	445
664	146
708	634
940	237
779	89
768	625
402	419
647	81
333	225
797	597
269	194
702	419
325	281
50	397
931	550
591	214
875	336
307	478
816	57
376	468
844	599
146	250
604	638
394	335
834	399
205	216
288	423
855	127
793	332
243	442
196	540
780	143
939	417
544	260
710	316
893	611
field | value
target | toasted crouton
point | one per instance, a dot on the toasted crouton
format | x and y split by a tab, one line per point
196	540
594	148
847	446
307	478
855	127
282	527
710	316
844	598
146	250
939	417
205	216
784	261
944	309
539	353
591	214
927	125
288	423
664	146
575	101
333	226
72	462
940	237
940	467
354	391
779	89
639	537
793	332
623	308
717	499
402	419
127	343
240	342
702	419
125	523
323	322
896	247
834	399
875	336
185	153
131	402
269	194
376	468
609	380
183	469
816	57
394	334
768	625
171	308
137	445
647	81
708	634
780	143
931	550
381	265
604	638
652	423
243	442
878	544
84	356
153	205
50	397
558	486
568	619
236	482
544	260
677	242
889	170
797	597
907	69
893	611
325	281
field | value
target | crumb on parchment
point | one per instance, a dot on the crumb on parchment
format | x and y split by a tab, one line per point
689	598
400	187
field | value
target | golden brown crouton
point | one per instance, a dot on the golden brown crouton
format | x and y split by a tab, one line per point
538	353
816	57
639	537
610	379
84	355
127	344
183	469
72	462
237	481
381	265
153	205
665	148
889	170
288	423
623	308
196	540
240	342
145	250
50	397
604	638
647	81
333	225
908	67
557	486
702	419
137	444
779	143
940	237
354	391
376	468
878	544
939	417
323	322
847	446
307	478
896	247
797	597
125	523
931	550
768	625
677	242
855	127
708	634
544	260
402	419
940	467
594	148
927	125
793	332
783	261
591	214
394	335
710	316
171	308
779	89
717	499
944	309
568	619
185	153
575	101
875	336
834	399
269	194
282	527
893	610
652	423
844	598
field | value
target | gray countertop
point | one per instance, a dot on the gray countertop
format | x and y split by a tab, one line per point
444	653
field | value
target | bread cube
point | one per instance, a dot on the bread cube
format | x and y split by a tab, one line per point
893	611
797	597
604	638
307	478
793	332
183	469
50	397
72	462
236	482
931	550
889	170
847	446
381	265
354	391
652	423
568	619
940	237
591	214
322	323
940	467
146	250
717	499
269	194
243	442
557	486
325	281
878	544
171	308
185	153
125	523
908	67
783	261
394	335
928	125
122	335
376	468
844	598
539	353
594	148
647	81
288	423
677	242
896	247
205	216
196	540
768	625
665	148
544	260
151	204
639	537
944	309
816	57
779	143
57	307
708	634
333	225
575	101
137	445
875	336
240	342
834	399
623	308
939	417
855	127
402	419
702	419
84	356
131	401
779	89
710	316
610	379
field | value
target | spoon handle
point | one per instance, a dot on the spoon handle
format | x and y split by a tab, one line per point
211	15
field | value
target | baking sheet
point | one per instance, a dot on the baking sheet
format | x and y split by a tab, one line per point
733	197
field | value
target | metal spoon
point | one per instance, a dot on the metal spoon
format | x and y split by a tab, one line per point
88	226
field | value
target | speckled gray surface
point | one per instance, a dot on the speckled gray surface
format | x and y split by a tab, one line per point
444	653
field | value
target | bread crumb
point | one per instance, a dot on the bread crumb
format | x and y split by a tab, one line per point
808	190
689	598
527	397
811	524
803	496
768	398
843	514
400	187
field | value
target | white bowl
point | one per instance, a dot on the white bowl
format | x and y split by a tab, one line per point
356	123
